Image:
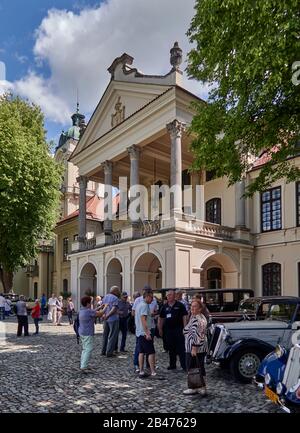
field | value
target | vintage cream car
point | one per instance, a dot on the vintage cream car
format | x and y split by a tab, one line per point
242	345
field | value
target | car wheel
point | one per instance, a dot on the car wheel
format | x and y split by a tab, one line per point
244	364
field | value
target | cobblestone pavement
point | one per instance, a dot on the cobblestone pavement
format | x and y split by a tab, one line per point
41	374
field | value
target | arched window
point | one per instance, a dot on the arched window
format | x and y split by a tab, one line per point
271	279
213	210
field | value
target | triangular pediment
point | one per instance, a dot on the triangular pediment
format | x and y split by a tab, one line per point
119	101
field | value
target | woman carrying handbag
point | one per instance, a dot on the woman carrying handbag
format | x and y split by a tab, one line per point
196	348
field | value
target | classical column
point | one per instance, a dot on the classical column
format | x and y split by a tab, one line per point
134	154
82	180
175	130
240	204
107	167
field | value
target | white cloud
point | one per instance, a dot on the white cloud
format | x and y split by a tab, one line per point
41	92
79	47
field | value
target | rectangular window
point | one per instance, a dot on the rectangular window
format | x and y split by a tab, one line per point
271	209
75	238
213	211
65	248
298	203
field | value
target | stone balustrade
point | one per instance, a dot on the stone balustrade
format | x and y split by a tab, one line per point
90	243
117	237
144	229
149	228
204	228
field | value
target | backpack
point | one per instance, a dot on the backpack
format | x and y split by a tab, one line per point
76	327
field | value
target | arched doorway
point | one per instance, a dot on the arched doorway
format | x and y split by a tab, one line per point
88	280
147	270
114	275
219	272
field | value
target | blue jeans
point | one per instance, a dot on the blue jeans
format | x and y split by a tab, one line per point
136	353
110	335
2	313
87	342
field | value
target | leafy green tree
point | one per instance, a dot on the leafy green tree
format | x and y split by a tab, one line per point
29	185
245	52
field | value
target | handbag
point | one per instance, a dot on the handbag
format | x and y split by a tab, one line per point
194	377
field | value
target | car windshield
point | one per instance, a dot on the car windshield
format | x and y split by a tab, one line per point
248	305
281	311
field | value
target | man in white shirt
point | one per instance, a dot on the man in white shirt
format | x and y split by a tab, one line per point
153	309
2	307
53	303
143	333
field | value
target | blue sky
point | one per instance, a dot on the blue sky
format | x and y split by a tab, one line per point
18	21
52	47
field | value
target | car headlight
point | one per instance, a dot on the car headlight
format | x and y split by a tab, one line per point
279	351
279	388
267	379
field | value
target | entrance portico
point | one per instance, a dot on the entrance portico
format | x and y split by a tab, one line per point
137	138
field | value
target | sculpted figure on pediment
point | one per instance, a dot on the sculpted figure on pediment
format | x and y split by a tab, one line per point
119	115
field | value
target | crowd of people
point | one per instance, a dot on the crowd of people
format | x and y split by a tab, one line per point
182	327
53	308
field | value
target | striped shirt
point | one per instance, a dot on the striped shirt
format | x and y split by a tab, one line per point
195	334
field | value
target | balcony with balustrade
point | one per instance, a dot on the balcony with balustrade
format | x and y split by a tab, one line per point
149	228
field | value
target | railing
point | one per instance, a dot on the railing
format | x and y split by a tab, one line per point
46	246
212	230
116	237
149	228
90	243
32	270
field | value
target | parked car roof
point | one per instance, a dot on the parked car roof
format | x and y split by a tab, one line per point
202	289
274	298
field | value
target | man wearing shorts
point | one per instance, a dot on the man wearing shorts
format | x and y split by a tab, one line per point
143	332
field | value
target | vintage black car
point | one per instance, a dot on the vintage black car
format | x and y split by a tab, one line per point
223	304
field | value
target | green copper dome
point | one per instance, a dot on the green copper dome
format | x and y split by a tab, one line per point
73	132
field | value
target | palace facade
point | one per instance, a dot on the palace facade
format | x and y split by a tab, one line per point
138	133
